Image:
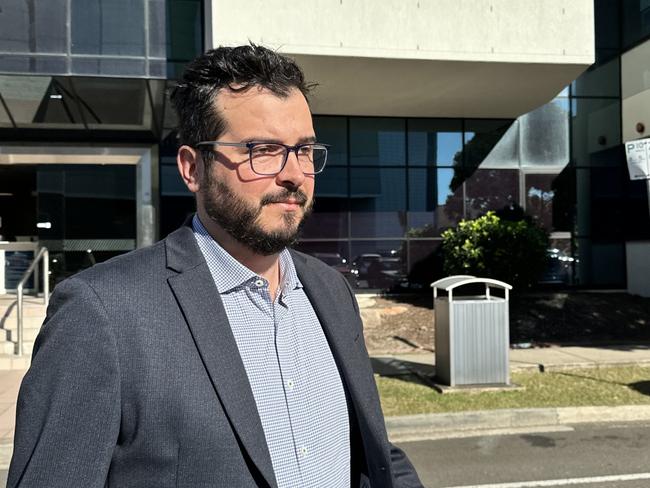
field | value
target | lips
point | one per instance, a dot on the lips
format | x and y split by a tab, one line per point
296	198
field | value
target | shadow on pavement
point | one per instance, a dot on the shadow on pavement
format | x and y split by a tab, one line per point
642	387
419	373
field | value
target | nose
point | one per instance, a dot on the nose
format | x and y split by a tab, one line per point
292	174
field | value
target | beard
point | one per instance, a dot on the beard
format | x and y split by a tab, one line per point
240	219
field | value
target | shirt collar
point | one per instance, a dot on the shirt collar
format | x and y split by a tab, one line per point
228	273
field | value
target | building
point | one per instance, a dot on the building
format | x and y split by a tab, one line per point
437	110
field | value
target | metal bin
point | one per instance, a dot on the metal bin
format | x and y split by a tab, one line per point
472	336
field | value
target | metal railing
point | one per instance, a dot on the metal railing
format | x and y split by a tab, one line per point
44	255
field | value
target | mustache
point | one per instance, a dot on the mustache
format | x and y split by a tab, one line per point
298	195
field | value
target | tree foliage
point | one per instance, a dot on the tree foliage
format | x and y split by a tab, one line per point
505	248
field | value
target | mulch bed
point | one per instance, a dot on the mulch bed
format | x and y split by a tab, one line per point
398	324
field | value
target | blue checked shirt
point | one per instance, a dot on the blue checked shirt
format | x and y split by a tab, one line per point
290	367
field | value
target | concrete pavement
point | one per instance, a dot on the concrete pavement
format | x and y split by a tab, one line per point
558	357
455	424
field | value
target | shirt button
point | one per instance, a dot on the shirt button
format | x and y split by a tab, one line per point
303	451
290	384
259	282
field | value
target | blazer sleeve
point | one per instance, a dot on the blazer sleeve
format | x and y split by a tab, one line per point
68	412
404	474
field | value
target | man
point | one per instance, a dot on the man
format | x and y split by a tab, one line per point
216	357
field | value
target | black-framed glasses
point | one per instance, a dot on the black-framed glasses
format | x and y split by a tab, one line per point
269	158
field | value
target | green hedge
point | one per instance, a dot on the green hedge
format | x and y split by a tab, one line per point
513	251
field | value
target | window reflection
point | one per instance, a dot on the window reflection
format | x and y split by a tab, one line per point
185	33
430	188
544	138
38	27
326	225
479	138
491	190
95	37
332	183
540	195
378	189
128	105
377	224
40	101
601	79
434	141
101	27
333	131
559	262
379	265
596	126
636	22
377	141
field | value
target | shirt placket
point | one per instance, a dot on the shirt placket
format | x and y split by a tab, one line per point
293	389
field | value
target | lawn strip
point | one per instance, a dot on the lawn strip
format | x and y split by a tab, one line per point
605	386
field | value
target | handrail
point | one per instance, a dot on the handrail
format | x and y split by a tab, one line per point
43	254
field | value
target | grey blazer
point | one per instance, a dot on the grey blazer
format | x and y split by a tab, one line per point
136	381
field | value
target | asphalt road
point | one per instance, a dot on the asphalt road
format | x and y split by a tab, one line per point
586	456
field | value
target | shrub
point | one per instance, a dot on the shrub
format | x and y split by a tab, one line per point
490	246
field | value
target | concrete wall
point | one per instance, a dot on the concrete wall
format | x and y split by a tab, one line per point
556	31
635	91
446	58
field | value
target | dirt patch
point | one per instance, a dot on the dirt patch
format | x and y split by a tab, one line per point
400	324
397	327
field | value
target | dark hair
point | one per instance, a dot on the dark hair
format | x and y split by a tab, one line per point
233	68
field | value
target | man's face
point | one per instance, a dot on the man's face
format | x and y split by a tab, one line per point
264	213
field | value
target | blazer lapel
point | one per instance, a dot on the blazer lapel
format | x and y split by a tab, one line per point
206	317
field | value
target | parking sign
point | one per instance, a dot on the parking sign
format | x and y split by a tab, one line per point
638	158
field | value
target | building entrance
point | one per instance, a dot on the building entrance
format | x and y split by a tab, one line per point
84	205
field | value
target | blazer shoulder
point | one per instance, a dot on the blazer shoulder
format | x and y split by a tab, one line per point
135	266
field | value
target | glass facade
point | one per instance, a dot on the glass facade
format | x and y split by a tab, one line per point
84	37
635	16
80	71
407	180
82	103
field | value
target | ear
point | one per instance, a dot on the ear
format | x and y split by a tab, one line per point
190	167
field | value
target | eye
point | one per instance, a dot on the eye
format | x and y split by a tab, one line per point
267	150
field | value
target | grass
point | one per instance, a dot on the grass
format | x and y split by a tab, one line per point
609	386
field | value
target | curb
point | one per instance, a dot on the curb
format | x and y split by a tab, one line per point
578	365
492	422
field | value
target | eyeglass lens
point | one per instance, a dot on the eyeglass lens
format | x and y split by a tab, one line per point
268	159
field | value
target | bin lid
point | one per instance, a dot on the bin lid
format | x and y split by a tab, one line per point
452	282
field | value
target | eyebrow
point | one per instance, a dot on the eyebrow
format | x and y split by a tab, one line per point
302	140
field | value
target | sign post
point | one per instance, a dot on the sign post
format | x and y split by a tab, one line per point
637	153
